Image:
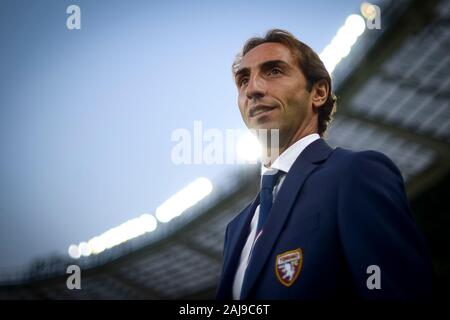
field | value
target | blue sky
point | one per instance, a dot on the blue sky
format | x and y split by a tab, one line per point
86	115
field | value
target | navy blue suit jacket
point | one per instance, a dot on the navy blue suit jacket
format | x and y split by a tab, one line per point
343	211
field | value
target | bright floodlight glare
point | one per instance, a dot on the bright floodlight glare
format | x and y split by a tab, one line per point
115	236
343	41
248	147
84	249
97	245
368	10
356	24
74	252
136	227
184	199
149	222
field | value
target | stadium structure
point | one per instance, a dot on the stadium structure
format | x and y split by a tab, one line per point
393	89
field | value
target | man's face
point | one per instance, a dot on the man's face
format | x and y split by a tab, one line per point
273	91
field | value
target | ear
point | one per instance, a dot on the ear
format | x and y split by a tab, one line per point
319	93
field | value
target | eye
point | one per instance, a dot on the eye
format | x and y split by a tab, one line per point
242	81
275	71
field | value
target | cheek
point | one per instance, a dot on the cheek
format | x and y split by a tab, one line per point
243	116
299	101
241	104
285	95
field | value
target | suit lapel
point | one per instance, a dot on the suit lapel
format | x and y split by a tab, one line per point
305	164
239	233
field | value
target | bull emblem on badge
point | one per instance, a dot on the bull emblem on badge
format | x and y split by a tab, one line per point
288	266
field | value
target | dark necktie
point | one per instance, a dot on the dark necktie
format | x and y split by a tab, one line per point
268	181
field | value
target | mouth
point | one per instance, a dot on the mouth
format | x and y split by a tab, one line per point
260	110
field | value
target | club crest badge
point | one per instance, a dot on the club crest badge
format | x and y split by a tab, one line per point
288	266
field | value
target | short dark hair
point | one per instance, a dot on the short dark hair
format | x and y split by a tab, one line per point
309	63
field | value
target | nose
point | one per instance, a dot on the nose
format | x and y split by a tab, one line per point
256	88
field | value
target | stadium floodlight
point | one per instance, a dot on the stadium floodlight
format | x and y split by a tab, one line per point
115	236
74	252
146	222
126	231
184	199
84	248
368	10
340	46
97	245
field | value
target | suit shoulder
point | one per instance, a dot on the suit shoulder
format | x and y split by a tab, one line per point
343	153
367	164
350	158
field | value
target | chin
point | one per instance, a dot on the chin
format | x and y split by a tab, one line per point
268	125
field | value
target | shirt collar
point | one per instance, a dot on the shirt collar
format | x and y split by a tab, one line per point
285	160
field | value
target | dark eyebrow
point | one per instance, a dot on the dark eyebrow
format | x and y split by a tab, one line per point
265	65
274	63
241	72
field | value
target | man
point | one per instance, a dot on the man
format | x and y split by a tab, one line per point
327	223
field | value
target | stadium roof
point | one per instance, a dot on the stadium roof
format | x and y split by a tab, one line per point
393	91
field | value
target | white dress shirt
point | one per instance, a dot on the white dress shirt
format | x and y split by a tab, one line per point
284	163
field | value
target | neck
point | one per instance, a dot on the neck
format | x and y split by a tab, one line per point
271	153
